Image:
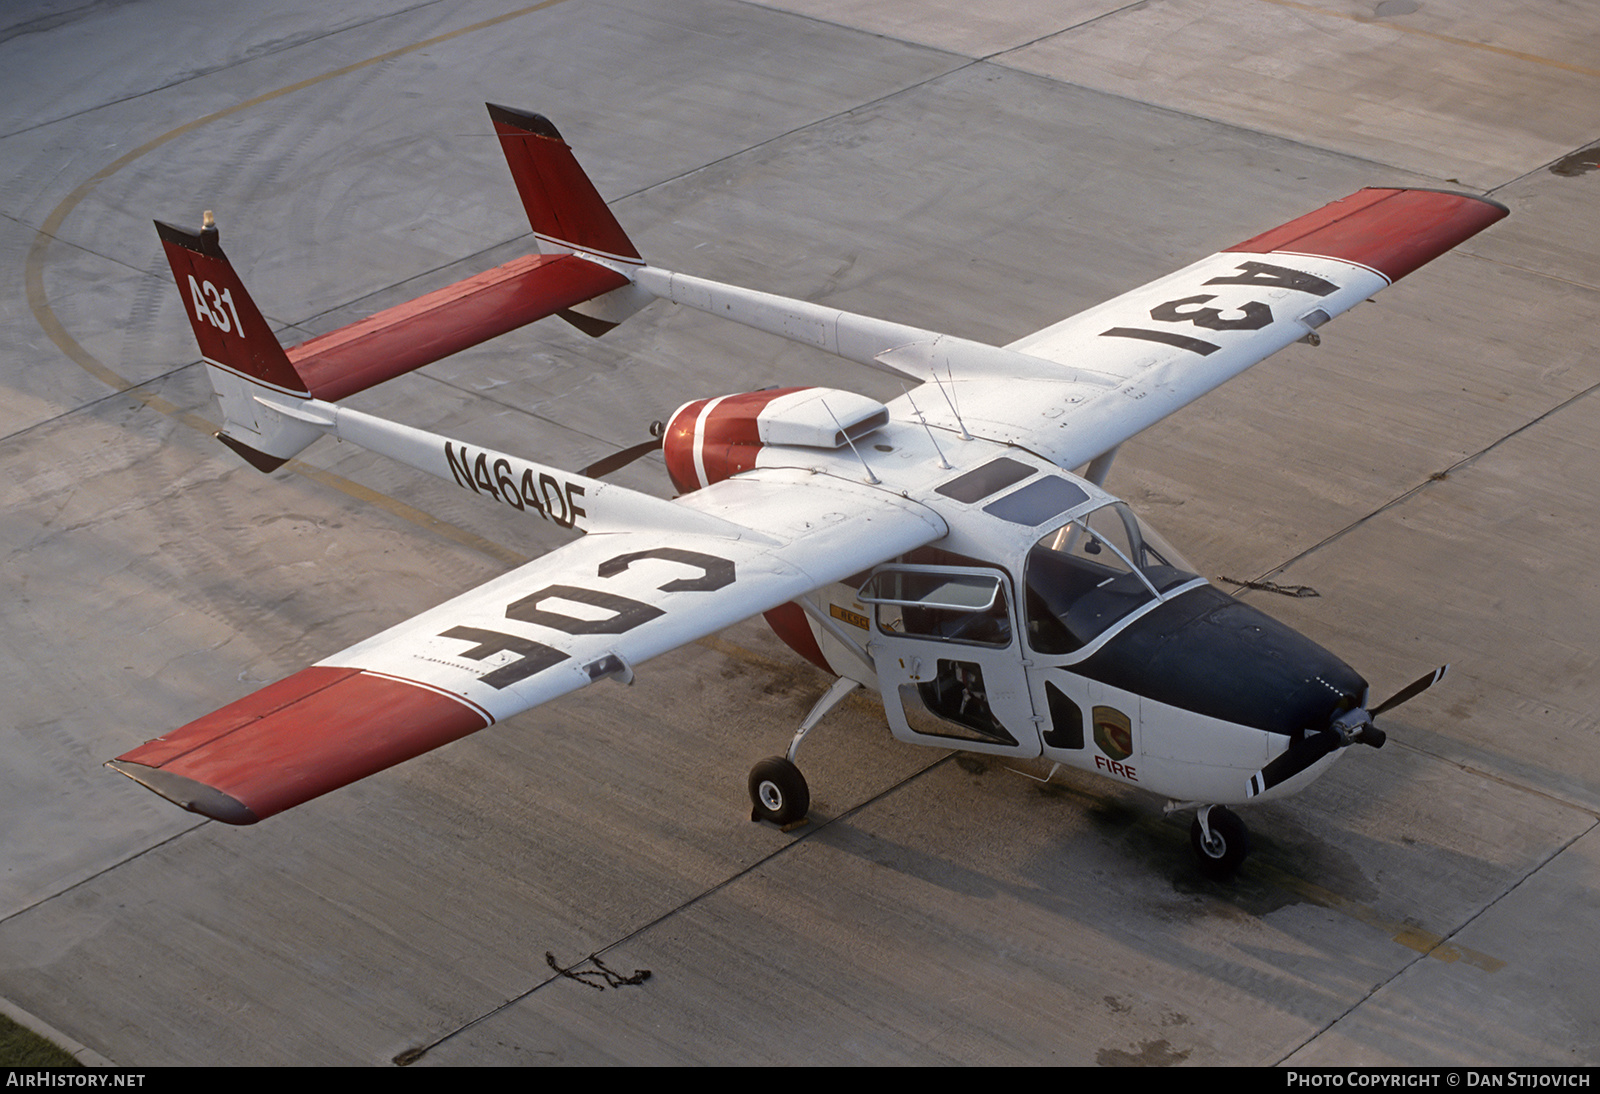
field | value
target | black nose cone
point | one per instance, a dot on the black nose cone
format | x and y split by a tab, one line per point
1208	653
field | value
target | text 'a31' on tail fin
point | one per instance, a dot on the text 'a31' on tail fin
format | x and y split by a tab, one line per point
567	213
242	356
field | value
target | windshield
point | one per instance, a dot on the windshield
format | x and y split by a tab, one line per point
1088	574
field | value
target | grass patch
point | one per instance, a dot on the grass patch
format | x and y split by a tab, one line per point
23	1048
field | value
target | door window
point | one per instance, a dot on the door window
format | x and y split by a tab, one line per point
967	608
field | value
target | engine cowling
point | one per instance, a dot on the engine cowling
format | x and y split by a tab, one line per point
709	440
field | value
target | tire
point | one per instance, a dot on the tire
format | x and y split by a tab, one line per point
1229	844
778	792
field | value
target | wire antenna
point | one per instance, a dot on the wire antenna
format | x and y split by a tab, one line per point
944	463
950	403
872	479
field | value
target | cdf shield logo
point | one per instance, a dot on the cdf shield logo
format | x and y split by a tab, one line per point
1113	732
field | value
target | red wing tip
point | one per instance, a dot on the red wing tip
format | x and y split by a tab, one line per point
1391	230
194	796
1381	192
320	729
1505	210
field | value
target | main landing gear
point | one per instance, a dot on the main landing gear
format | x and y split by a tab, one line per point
778	792
1220	841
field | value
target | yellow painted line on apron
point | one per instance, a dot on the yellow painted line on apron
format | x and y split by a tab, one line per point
1407	934
1402	28
39	303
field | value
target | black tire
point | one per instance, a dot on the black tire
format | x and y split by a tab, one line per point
778	792
1229	844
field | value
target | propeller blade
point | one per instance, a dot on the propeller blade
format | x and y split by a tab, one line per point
1301	755
1410	691
618	460
1313	747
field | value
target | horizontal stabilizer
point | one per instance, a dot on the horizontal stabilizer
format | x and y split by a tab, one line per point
431	327
244	359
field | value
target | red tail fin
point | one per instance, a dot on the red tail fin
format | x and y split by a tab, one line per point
229	327
563	206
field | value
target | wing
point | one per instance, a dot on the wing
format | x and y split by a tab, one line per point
1076	390
1158	348
593	609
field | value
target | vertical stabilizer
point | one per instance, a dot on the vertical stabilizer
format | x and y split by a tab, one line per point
567	213
242	355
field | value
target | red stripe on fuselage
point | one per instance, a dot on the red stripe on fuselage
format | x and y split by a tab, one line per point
1390	231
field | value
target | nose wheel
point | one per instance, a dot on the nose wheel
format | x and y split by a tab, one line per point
1220	841
778	792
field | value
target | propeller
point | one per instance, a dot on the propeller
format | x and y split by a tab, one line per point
1411	691
618	460
1300	755
1343	729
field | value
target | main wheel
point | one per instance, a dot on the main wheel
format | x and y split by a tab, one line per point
778	791
1221	855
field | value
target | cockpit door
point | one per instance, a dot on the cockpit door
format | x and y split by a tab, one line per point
947	647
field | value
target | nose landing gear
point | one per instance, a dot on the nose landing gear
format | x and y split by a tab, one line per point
1220	841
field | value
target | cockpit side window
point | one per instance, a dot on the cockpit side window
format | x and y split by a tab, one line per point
1088	574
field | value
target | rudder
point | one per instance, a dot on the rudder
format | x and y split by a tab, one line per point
229	327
